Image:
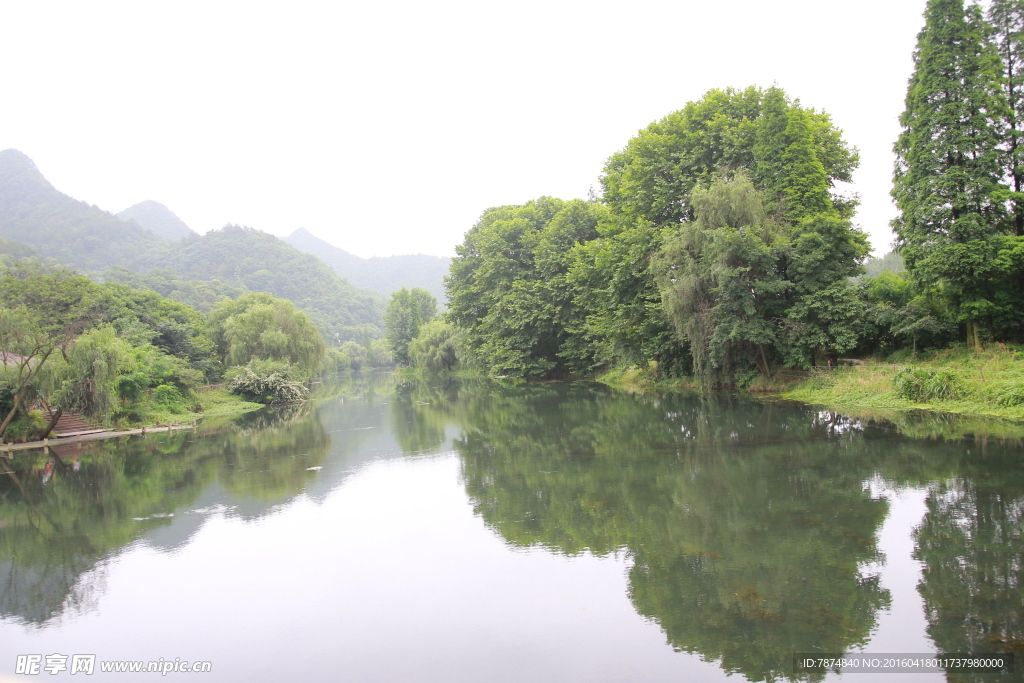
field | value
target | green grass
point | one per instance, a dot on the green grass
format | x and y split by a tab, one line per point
213	403
955	380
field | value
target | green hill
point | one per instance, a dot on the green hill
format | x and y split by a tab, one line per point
35	214
158	219
198	269
382	274
259	262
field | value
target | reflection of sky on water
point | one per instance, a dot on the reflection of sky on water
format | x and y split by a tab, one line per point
379	567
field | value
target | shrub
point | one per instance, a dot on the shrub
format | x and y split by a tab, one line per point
266	382
920	385
1011	396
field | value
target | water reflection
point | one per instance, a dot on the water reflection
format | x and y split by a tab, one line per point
751	529
64	510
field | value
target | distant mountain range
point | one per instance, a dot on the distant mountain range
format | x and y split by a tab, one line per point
158	219
385	274
35	214
146	245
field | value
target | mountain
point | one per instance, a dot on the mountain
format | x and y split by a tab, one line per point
37	215
382	274
198	269
158	219
256	261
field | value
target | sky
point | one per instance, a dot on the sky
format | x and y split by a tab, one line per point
390	127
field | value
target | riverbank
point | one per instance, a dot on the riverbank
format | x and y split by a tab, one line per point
959	381
216	405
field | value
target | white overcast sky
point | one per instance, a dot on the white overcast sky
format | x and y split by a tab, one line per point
389	127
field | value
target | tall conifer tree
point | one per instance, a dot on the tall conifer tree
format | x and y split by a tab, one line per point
1007	18
947	176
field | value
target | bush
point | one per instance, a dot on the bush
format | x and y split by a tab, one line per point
921	386
26	427
1011	396
266	381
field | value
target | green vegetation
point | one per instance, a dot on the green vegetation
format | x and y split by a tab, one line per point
122	356
408	310
258	262
721	253
147	246
35	214
720	250
953	381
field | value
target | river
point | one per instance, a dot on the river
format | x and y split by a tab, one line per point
467	531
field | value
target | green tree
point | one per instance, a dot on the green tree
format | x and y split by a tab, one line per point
509	288
265	327
436	347
42	309
947	180
1007	17
407	311
720	280
88	381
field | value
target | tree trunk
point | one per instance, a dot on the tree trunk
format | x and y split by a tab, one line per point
54	417
10	415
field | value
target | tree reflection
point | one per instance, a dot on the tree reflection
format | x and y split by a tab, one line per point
973	553
748	526
64	510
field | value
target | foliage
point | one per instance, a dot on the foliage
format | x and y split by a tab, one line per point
266	381
920	385
35	214
653	177
510	292
258	262
890	263
379	354
158	219
88	381
200	295
406	312
738	286
264	327
436	347
356	353
953	229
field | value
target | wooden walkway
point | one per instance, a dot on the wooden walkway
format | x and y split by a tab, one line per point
7	450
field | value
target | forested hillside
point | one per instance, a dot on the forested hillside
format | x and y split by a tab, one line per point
381	274
168	257
158	219
258	262
34	213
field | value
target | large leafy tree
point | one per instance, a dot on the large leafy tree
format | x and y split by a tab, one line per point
260	326
509	288
407	311
947	180
726	130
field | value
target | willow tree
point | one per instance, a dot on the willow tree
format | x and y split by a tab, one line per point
947	181
719	277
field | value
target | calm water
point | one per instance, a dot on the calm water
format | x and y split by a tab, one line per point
469	532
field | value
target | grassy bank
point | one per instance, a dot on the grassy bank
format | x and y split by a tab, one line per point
958	380
212	403
949	381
